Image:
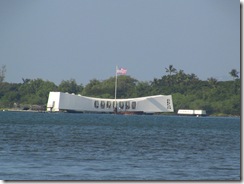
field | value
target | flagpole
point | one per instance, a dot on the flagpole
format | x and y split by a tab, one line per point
115	89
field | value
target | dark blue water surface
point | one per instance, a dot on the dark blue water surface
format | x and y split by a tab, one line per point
62	146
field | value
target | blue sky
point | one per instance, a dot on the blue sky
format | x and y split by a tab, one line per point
85	39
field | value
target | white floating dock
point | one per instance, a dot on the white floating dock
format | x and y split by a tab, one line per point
191	112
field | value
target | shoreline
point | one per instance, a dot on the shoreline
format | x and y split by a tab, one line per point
44	111
20	110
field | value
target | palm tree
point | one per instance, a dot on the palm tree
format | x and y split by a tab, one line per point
235	76
234	73
170	70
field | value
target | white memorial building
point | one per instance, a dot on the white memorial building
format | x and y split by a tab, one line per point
65	102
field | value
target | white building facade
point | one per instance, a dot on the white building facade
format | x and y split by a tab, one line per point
59	101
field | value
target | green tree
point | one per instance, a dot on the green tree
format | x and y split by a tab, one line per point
2	73
36	91
180	77
180	101
170	70
234	73
126	86
9	94
25	80
70	86
143	89
92	88
213	82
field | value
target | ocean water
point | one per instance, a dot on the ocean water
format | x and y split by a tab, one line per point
63	146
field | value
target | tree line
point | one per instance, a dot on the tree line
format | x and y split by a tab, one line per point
187	90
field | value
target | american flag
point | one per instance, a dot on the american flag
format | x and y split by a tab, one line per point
121	71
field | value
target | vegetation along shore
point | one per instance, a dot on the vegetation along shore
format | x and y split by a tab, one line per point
219	98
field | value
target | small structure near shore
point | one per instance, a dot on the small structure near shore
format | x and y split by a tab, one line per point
191	112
